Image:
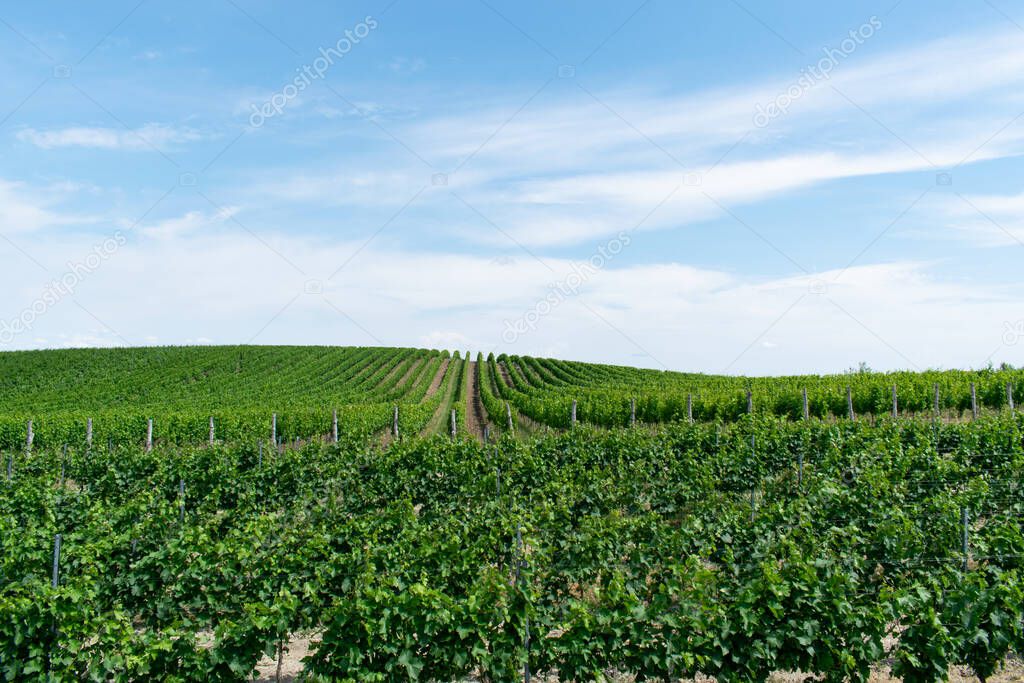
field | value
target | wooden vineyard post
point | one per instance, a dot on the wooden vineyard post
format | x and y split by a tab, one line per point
573	417
394	424
149	435
213	432
520	564
750	401
632	412
689	408
508	416
273	429
181	499
895	404
454	423
30	436
849	404
487	434
965	545
974	401
334	427
936	401
1009	396
807	411
526	646
753	489
54	582
88	432
55	578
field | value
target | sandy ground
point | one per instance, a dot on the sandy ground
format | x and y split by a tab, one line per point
438	424
291	663
524	375
524	424
413	369
388	379
1011	675
299	647
504	374
475	416
438	378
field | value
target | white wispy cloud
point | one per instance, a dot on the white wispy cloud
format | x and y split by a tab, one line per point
448	339
191	222
685	317
149	136
982	220
899	84
580	163
576	163
571	209
409	65
24	208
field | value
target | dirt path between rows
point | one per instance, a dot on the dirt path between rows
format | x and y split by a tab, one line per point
413	369
385	381
476	417
440	418
524	375
504	374
387	436
524	423
438	378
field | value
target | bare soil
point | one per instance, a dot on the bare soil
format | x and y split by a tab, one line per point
387	436
386	381
440	417
413	369
522	374
438	378
300	645
1012	673
476	418
291	664
504	374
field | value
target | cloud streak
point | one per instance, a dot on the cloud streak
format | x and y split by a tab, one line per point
579	164
225	287
149	136
188	224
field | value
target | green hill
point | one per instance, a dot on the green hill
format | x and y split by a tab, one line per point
244	387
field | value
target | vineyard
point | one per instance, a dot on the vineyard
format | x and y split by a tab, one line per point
193	513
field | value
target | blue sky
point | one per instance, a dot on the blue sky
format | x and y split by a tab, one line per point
743	187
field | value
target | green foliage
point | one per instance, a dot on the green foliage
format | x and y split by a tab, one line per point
544	389
729	548
180	388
